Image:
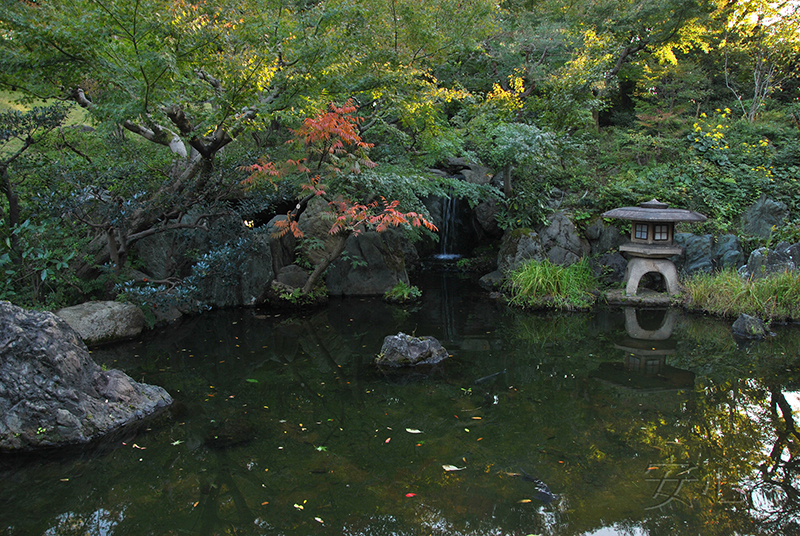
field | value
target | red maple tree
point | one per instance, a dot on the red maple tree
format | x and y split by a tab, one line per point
334	146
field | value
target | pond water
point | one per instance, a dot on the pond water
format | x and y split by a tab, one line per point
609	423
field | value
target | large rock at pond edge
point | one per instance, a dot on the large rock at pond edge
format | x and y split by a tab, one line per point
370	265
404	350
52	393
99	322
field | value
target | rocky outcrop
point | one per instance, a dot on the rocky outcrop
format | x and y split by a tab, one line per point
764	262
760	218
404	350
101	322
51	392
518	247
561	241
707	253
368	267
236	274
727	252
603	237
609	268
696	257
231	264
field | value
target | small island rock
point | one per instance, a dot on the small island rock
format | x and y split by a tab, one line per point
405	350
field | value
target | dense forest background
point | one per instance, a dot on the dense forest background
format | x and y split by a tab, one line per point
120	119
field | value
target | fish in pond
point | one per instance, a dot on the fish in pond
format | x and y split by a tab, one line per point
489	378
541	491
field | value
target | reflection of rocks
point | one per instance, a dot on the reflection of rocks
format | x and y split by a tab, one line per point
230	433
404	350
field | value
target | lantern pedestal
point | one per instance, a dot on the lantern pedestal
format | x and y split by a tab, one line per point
638	266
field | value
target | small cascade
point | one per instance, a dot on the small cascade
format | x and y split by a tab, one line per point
447	233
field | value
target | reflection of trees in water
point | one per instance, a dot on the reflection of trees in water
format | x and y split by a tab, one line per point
777	493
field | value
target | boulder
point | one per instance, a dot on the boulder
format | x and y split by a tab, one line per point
100	322
696	257
727	252
404	350
749	327
760	218
518	247
491	281
51	392
367	267
292	276
486	217
477	174
609	268
603	237
764	262
238	273
561	240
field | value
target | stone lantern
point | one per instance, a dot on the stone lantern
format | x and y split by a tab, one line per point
651	245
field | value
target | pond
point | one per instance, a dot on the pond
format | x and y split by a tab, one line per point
609	423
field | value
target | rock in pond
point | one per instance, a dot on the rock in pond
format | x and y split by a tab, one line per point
52	393
749	327
403	350
99	322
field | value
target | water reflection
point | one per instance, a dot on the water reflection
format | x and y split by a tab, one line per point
283	426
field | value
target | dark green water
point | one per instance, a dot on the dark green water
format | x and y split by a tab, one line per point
282	426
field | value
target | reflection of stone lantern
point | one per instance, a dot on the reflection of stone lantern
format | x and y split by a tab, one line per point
644	368
651	245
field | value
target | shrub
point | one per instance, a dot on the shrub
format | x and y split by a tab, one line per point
402	293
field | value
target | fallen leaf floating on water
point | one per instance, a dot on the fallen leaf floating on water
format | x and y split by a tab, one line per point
251	380
413	431
452	468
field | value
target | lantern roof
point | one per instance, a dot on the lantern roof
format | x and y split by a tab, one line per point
654	211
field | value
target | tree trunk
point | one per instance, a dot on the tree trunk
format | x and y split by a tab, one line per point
507	181
338	248
13	213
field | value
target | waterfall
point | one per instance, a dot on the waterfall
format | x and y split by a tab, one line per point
447	233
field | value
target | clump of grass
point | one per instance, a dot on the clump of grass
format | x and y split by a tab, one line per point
726	293
547	285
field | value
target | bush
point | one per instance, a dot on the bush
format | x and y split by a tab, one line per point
402	293
547	285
